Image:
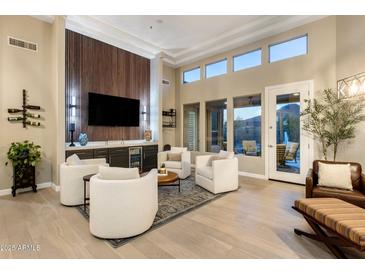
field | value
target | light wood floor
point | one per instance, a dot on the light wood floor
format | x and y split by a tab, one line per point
255	222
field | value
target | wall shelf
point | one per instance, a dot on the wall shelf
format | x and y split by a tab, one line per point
169	118
23	115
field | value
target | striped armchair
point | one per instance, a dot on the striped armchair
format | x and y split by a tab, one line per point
280	153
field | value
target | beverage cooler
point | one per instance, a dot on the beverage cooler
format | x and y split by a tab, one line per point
135	157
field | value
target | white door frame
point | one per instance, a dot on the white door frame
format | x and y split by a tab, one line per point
310	85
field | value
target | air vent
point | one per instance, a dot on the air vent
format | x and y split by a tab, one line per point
165	82
23	44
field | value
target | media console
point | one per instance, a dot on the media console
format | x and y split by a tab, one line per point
141	155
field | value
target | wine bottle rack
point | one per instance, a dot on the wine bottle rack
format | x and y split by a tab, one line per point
24	115
169	118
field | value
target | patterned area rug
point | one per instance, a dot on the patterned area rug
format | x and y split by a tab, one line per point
171	204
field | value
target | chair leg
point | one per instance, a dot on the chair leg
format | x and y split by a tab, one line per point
321	236
306	234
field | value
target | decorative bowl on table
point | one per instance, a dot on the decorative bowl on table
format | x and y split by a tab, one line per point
162	171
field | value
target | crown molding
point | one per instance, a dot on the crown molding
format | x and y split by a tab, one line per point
97	29
45	18
247	28
257	29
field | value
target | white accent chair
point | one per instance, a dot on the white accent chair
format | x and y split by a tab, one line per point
122	208
183	168
71	183
218	175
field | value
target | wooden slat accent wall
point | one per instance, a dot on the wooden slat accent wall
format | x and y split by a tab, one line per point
94	66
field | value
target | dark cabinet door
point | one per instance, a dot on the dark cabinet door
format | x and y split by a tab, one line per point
119	157
149	157
83	154
101	153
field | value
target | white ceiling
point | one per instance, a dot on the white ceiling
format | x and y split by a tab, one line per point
183	38
174	34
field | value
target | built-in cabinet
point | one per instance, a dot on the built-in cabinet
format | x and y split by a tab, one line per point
120	156
149	158
101	153
82	153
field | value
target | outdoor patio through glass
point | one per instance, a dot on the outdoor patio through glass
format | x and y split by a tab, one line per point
288	133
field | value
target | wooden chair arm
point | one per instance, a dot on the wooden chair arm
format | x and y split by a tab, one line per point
309	184
363	183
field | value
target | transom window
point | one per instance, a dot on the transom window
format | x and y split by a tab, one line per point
288	49
191	75
247	60
216	68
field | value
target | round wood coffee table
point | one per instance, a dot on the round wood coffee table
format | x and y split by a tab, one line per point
171	179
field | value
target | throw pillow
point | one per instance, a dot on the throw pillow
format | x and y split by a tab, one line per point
118	173
178	149
335	175
73	160
174	157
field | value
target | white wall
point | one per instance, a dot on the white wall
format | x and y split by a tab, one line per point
318	65
156	100
35	72
350	60
336	51
168	102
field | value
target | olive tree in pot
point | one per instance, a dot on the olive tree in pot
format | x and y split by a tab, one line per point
332	119
24	157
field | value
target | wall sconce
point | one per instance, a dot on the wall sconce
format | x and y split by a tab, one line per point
73	106
144	113
352	86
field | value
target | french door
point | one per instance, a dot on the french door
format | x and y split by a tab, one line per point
191	127
289	148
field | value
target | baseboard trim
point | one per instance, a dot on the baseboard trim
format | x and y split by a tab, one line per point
55	187
252	175
7	191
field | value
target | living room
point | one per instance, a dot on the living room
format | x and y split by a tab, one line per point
182	136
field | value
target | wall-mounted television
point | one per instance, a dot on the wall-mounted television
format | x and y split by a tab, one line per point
106	110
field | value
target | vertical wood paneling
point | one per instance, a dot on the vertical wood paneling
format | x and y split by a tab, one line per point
94	66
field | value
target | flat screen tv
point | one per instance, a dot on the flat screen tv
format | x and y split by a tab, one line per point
106	110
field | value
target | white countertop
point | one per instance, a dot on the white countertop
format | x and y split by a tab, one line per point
109	144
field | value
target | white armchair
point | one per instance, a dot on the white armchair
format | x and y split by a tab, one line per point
122	208
71	183
181	168
218	175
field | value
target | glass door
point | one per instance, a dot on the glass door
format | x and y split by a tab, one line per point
216	126
288	146
191	126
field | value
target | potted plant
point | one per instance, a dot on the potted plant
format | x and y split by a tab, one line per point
162	169
24	156
332	119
